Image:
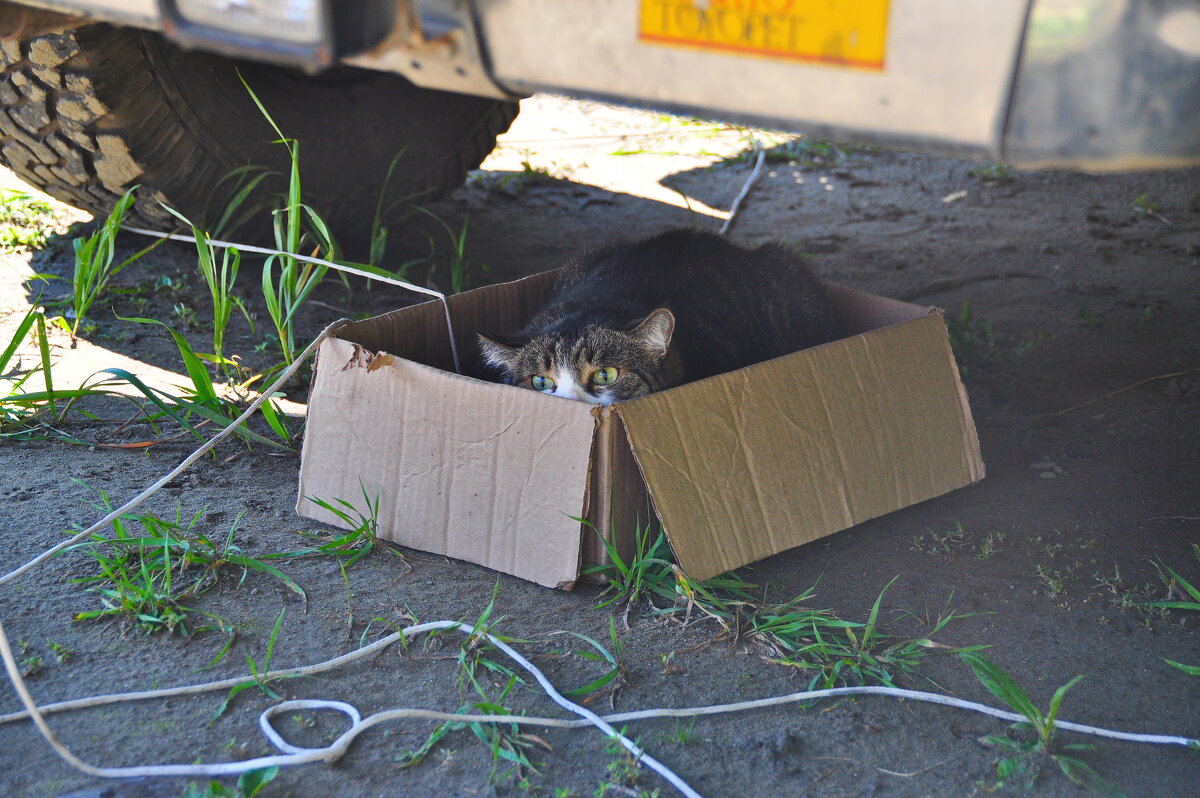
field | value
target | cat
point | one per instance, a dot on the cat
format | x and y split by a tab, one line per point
631	319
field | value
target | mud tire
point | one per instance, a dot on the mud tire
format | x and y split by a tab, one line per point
90	112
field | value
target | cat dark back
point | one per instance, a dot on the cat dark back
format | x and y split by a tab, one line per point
731	306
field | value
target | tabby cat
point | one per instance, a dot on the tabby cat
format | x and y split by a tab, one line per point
630	319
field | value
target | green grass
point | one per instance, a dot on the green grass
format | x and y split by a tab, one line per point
149	576
971	339
1190	600
976	345
1143	206
26	222
358	542
613	677
287	283
815	641
622	773
248	785
30	663
510	748
220	280
62	654
95	256
33	414
649	572
683	733
456	263
806	153
997	172
296	227
201	399
840	652
1031	744
13	411
379	233
29	414
258	673
936	543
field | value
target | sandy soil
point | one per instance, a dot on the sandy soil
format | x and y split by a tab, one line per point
1087	405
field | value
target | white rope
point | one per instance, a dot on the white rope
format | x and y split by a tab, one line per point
685	712
737	201
294	755
320	262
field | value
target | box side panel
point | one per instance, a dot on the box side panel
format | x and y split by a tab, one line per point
759	460
618	504
481	472
419	332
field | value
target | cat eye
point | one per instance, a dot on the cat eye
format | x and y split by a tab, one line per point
541	383
604	376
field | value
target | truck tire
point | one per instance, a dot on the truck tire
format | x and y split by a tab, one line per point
88	113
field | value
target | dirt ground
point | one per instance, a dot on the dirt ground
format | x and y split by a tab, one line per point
1086	399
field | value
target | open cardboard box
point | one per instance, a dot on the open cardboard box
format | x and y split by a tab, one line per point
737	467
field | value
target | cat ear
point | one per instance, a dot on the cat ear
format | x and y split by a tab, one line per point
654	332
496	354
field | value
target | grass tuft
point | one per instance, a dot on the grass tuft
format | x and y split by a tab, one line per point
94	258
26	222
1176	584
816	641
360	541
149	576
258	674
491	681
1031	743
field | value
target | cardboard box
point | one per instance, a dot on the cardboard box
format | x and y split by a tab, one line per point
737	467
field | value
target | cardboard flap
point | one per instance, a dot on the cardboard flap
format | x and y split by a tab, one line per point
804	445
419	332
481	472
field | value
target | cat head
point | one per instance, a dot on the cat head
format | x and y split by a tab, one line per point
593	364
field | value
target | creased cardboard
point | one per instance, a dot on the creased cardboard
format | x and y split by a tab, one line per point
737	467
804	445
495	488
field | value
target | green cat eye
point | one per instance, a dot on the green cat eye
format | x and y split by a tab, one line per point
604	376
541	383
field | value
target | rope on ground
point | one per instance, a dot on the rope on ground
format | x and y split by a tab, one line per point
295	755
737	201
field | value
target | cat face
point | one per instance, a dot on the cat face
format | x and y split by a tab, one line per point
595	364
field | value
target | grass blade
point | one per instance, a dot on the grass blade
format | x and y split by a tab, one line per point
18	336
262	567
201	379
1191	670
1001	685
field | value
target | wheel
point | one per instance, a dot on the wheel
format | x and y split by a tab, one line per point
93	111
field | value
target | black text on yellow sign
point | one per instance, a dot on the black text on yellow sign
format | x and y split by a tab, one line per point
845	33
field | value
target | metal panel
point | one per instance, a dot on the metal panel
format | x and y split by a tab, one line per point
946	75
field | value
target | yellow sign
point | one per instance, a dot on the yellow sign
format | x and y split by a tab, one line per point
847	33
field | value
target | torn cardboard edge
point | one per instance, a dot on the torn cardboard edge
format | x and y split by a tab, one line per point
736	467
